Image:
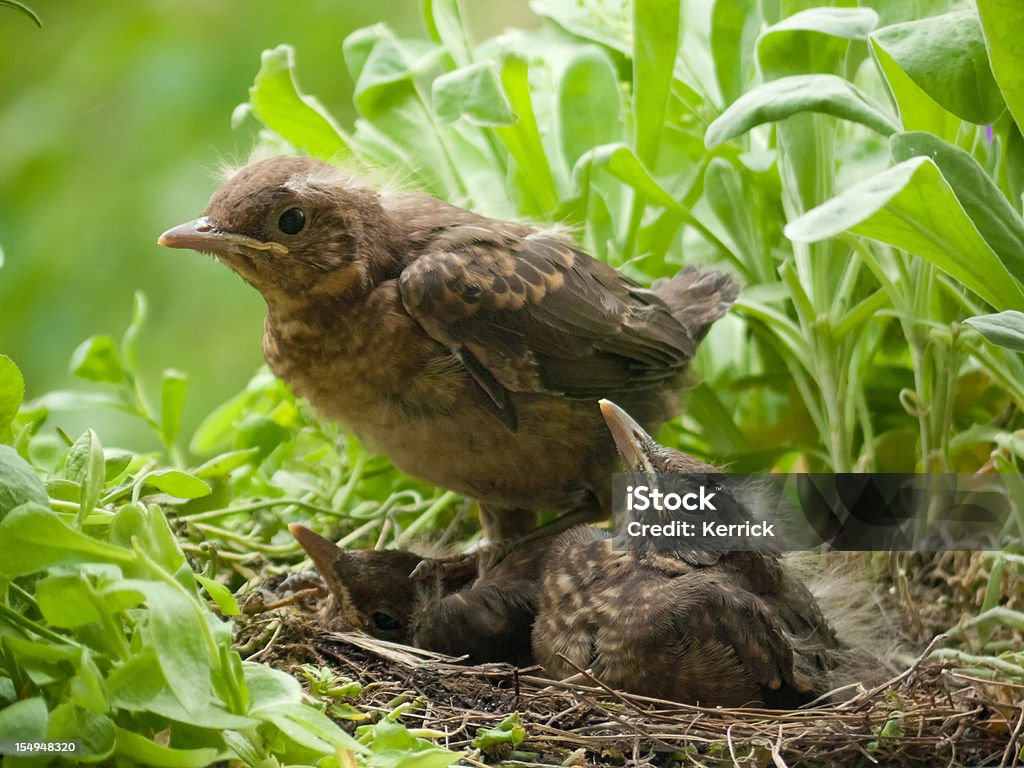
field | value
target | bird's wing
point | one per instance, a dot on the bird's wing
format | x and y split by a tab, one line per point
723	613
534	314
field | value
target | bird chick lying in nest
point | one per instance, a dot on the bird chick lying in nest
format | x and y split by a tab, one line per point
718	628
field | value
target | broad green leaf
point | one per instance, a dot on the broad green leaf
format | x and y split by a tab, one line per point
221	595
911	206
179	484
735	25
269	688
788	96
996	220
177	633
814	41
279	104
96	731
603	21
36	538
24	720
135	747
655	42
1006	329
64	601
945	56
589	112
86	466
19	483
12	391
96	359
173	387
1003	24
115	462
389	62
472	92
918	111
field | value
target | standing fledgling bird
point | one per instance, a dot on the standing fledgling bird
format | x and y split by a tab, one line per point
470	351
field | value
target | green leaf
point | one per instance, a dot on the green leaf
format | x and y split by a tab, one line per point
622	163
173	387
223	464
19	483
1005	329
735	25
179	484
444	24
86	466
22	8
814	41
95	731
911	206
523	139
64	601
178	636
135	747
1003	24
130	338
24	720
394	747
279	104
589	109
221	596
508	731
472	92
788	96
96	359
12	391
36	538
655	42
996	220
945	56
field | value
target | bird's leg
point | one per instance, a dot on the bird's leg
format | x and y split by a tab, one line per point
501	523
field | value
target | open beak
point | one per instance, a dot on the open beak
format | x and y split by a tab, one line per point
323	552
203	235
631	440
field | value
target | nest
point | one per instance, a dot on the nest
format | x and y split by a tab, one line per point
928	715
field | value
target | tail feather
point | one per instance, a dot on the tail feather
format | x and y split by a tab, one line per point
698	296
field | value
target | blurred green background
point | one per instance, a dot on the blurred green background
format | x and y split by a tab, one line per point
114	118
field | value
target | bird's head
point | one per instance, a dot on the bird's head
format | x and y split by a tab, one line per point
371	589
289	226
640	454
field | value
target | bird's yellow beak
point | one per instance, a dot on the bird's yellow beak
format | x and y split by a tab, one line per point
631	440
203	235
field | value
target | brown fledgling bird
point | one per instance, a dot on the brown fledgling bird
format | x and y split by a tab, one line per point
728	628
486	617
470	351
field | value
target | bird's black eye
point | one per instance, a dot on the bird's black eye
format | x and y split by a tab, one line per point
385	622
292	221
